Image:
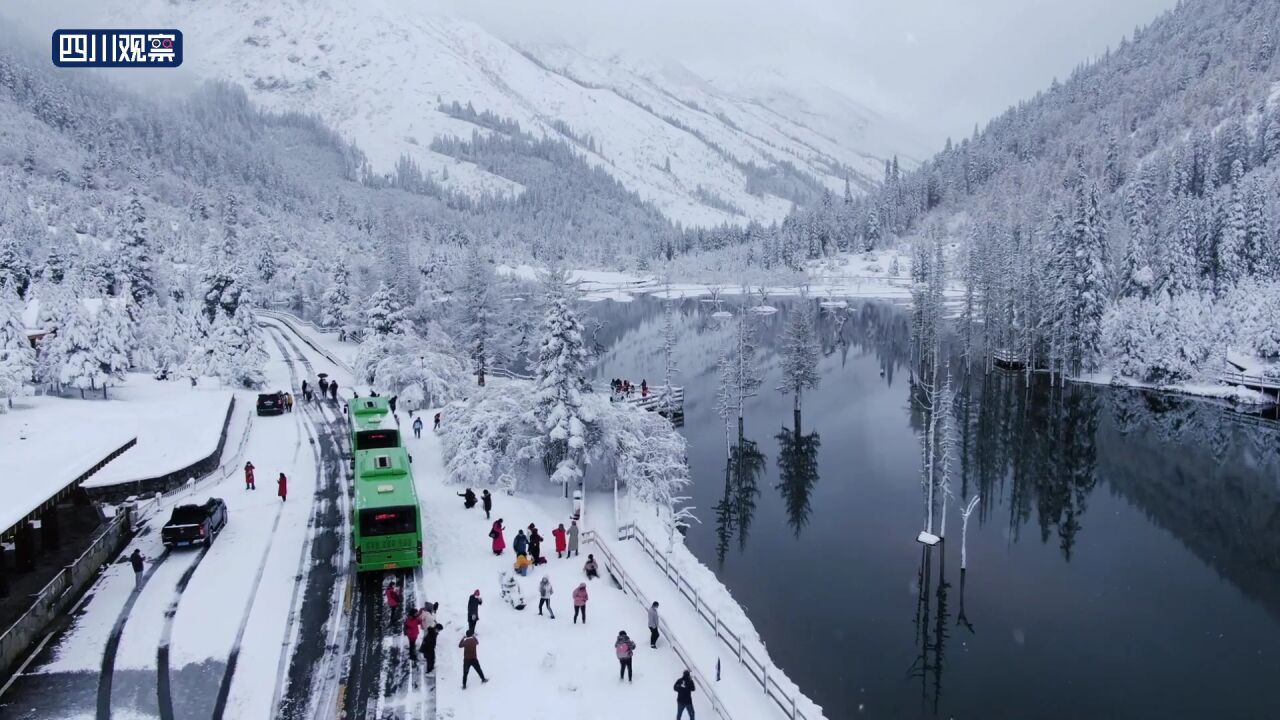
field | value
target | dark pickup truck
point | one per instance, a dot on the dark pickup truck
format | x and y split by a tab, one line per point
191	524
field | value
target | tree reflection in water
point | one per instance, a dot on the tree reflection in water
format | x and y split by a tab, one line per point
736	508
797	472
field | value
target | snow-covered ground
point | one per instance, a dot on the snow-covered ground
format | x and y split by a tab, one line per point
236	598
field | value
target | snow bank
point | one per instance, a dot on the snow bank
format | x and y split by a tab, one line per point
173	433
1235	393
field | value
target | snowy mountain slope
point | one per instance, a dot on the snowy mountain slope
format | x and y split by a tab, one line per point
379	71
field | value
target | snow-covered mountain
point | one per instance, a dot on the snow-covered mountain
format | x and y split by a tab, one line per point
381	70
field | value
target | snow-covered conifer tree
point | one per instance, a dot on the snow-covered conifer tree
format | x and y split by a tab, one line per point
383	316
15	270
1232	250
476	314
1088	291
75	347
668	350
560	381
238	355
335	305
799	353
135	261
114	340
55	264
17	359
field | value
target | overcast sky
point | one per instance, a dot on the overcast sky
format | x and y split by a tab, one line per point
941	64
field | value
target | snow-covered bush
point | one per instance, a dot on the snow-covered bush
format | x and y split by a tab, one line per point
411	367
1164	341
489	434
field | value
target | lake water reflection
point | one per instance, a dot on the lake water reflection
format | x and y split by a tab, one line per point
1123	562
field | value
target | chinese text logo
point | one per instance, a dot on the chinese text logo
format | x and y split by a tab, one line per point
117	48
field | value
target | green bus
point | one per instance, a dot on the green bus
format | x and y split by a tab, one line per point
372	425
386	523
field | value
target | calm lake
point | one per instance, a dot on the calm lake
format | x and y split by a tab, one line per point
1123	562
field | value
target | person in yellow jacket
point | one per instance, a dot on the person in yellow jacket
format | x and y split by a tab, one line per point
522	564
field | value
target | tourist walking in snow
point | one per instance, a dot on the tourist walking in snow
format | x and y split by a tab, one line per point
282	487
437	425
625	648
324	387
544	596
135	559
433	628
468	498
394	597
573	539
470	659
473	611
520	544
590	567
288	402
248	477
495	532
486	500
580	603
417	427
684	688
333	390
644	388
412	627
653	625
392	403
558	534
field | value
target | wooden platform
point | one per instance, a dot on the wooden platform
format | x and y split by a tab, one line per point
1008	359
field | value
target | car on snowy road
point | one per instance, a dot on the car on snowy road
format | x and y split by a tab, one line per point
193	524
271	403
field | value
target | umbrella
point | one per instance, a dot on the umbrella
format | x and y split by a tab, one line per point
323	375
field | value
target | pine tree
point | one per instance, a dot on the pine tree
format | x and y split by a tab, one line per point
383	316
15	271
1232	261
1257	231
1088	291
114	340
75	347
1271	137
238	357
799	353
17	358
476	310
1181	275
668	351
560	381
742	367
135	254
335	305
267	259
55	264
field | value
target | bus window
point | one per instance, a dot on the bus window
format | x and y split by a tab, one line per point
374	439
388	521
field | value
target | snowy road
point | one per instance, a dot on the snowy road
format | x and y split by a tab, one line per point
204	634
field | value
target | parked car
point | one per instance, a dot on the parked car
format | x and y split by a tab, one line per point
192	524
271	403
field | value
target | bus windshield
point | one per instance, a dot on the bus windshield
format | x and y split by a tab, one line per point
388	521
375	439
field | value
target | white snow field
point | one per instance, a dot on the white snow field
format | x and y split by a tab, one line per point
379	70
46	442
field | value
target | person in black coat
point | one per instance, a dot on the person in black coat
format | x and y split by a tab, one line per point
473	611
468	498
535	543
684	695
433	628
521	543
487	501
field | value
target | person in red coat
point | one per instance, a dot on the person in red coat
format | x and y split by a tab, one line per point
412	626
558	534
282	487
499	543
248	476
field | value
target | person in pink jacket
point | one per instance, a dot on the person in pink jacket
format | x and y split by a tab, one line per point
580	603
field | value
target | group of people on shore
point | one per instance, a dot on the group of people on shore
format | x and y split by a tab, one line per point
623	388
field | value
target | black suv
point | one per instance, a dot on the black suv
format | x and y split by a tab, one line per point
191	524
271	404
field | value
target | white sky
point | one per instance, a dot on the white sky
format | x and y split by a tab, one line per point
942	65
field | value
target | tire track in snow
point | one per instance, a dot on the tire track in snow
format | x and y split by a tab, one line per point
164	694
319	617
108	668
